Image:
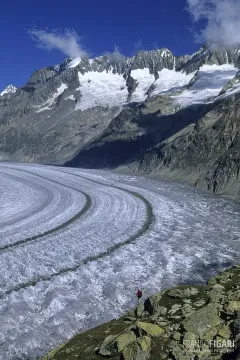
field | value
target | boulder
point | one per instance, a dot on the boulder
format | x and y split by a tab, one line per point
139	310
234	295
145	343
218	287
210	334
125	339
151	305
199	303
187	310
189	340
175	308
162	310
225	332
139	350
150	329
179	293
186	301
179	352
130	352
177	336
232	306
216	293
202	320
107	345
162	323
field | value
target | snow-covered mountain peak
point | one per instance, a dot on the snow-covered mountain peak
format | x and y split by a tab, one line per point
75	62
10	89
110	81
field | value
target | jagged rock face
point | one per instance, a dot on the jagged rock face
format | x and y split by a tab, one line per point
44	122
212	55
155	60
232	85
113	111
207	152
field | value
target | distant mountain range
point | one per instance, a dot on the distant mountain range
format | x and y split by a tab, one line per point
176	117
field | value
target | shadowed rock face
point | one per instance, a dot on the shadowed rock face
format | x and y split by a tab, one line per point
45	122
200	144
206	153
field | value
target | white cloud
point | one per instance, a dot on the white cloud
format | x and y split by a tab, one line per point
115	55
222	19
67	41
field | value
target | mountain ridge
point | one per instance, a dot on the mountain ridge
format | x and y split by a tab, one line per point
69	113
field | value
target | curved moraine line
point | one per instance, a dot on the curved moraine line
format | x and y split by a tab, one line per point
145	227
78	215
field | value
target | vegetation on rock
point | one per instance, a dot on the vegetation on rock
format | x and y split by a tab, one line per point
183	323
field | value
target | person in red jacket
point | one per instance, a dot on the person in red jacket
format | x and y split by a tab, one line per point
139	295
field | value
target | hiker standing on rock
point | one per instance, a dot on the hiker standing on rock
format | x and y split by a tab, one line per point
139	295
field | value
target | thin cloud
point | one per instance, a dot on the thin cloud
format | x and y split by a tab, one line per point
222	19
67	41
116	55
138	45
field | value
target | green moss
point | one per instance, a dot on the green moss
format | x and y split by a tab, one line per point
208	319
151	329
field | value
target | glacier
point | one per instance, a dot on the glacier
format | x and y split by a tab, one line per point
210	79
75	244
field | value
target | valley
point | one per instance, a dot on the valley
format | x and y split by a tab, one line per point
75	243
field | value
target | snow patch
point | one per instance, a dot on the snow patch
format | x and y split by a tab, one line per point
233	90
103	89
144	81
51	101
10	89
71	97
210	81
75	62
170	80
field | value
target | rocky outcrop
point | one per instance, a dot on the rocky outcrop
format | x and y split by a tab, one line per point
232	84
183	323
206	153
212	54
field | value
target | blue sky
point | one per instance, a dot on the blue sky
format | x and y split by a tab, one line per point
129	24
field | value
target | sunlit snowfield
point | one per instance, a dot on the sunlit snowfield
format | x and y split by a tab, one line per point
75	245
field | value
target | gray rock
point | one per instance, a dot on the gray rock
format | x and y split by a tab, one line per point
182	293
202	320
177	336
139	310
199	303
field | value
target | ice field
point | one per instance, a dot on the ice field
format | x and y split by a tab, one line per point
75	244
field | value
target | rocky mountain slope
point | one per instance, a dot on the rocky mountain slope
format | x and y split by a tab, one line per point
182	323
177	117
